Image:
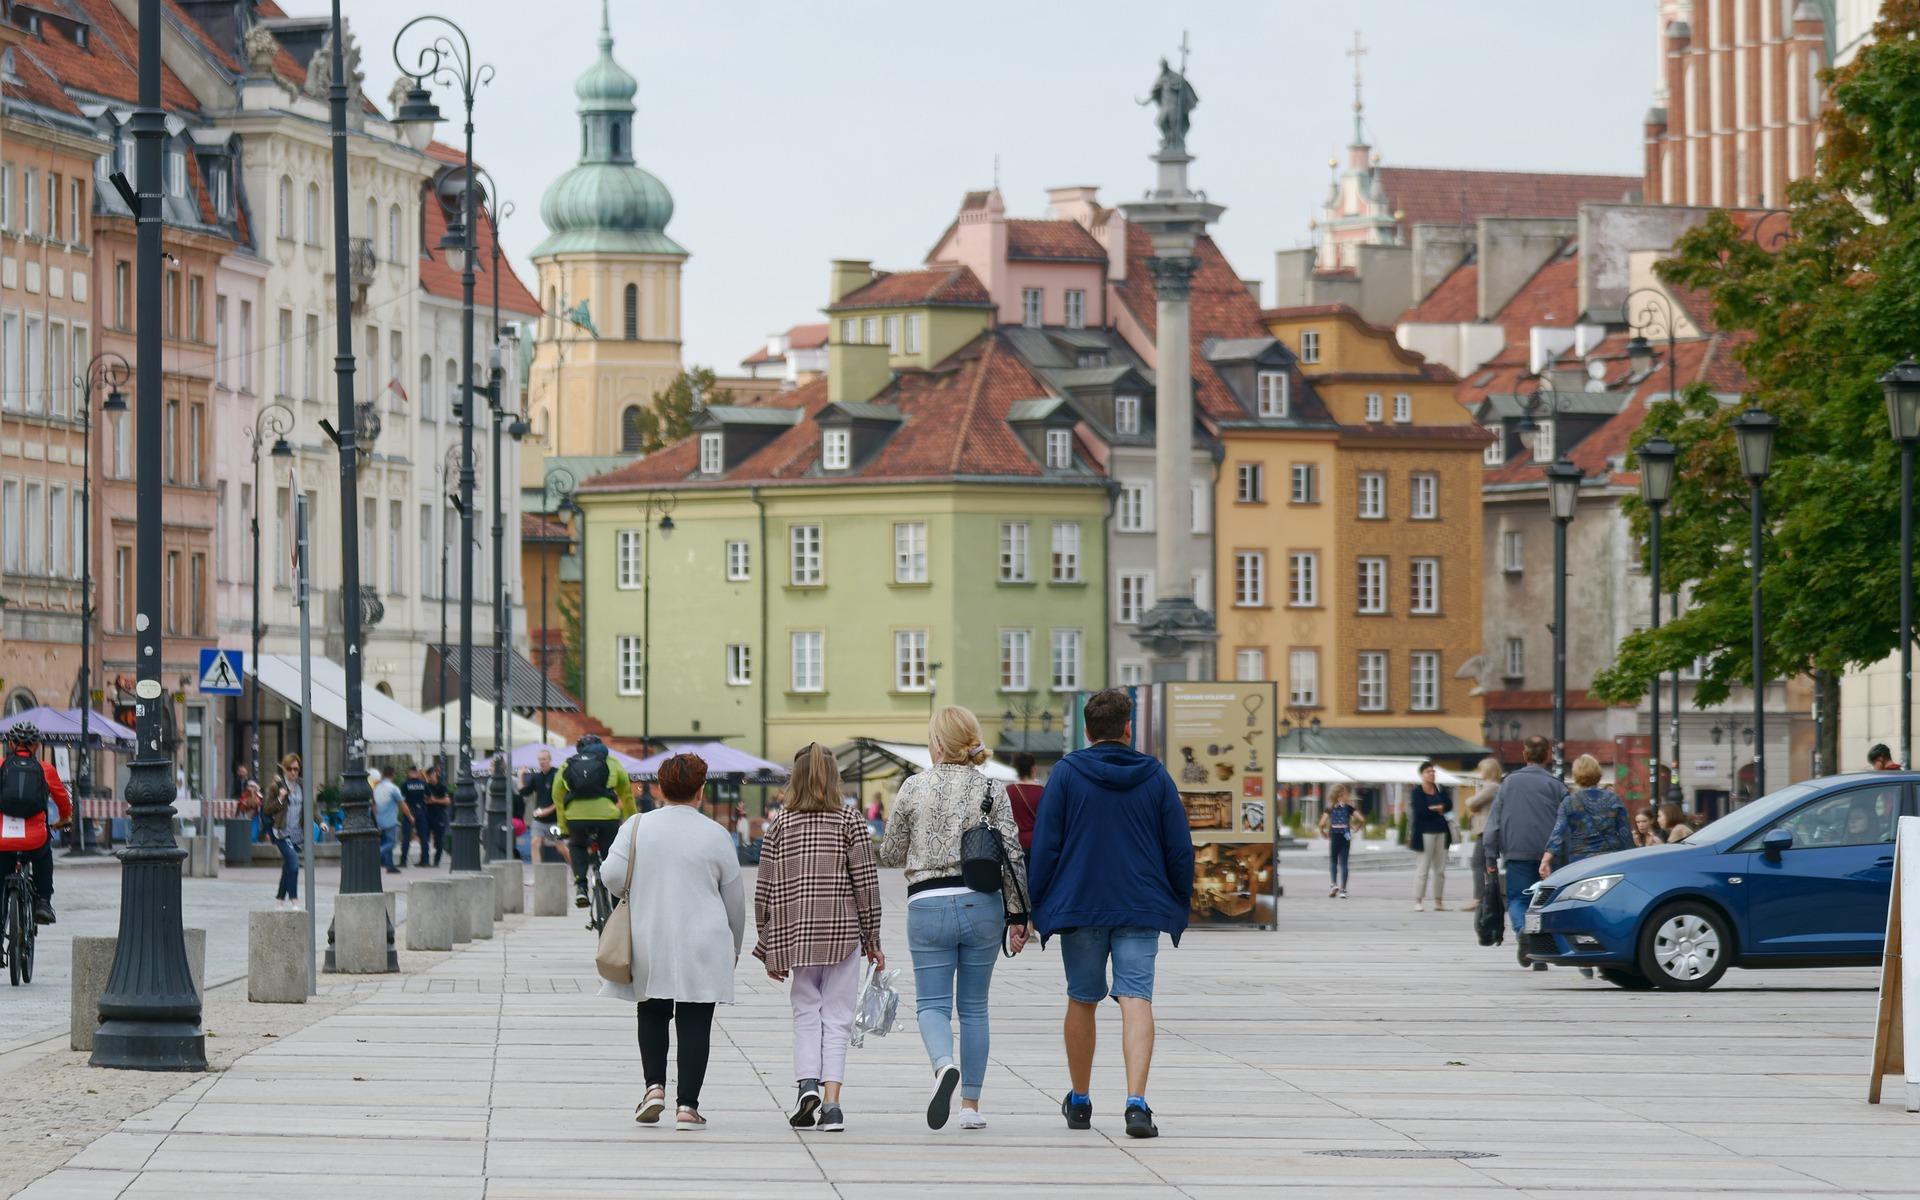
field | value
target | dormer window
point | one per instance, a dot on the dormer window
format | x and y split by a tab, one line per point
1126	414
835	449
1309	345
1090	358
1402	408
1273	393
712	453
1495	453
1373	408
1059	449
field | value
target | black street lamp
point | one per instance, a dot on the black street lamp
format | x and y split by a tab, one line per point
500	825
1902	387
559	482
662	503
1305	725
446	61
272	421
1655	317
1563	490
112	370
1754	429
1657	458
149	1010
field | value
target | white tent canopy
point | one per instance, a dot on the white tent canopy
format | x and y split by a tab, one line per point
1310	768
870	758
521	731
388	726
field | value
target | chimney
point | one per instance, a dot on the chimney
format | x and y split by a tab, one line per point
1077	203
848	275
1253	288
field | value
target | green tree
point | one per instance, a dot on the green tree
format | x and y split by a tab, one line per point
1818	317
667	418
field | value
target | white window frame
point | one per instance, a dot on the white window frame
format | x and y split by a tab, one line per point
1016	660
1275	394
1370	691
1076	308
910	660
1133	596
627	566
1513	551
892	327
1032	307
1250	483
1543	442
807	660
1250	579
806	556
713	453
1015	559
910	552
739	664
1066	552
1375	408
629	664
1310	345
1133	508
1423	581
850	331
1402	408
1494	454
1305	483
1515	663
913	333
836	449
870	330
1372	496
1423	496
1423	680
1132	672
1303	677
1065	658
739	560
1371	586
1250	664
1126	414
1059	449
1303	579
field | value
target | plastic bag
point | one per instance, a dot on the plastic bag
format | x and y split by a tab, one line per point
878	1009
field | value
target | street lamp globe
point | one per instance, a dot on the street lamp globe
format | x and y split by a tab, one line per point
116	402
1902	387
1754	429
1657	458
417	115
1639	354
280	448
453	244
666	527
1563	488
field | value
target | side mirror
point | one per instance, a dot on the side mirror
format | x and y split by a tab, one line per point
1775	841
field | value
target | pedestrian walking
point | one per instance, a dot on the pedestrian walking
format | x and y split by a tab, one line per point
1025	797
954	931
1339	824
439	812
1431	836
1112	870
536	806
416	794
817	908
286	812
1478	806
686	907
1881	759
1518	827
388	804
1673	822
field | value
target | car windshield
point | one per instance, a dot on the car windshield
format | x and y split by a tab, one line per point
1761	811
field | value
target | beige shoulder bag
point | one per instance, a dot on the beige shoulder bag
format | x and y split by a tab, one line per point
614	957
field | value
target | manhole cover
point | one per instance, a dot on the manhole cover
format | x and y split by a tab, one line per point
1406	1153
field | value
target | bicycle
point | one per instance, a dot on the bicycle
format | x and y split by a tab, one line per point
16	922
602	900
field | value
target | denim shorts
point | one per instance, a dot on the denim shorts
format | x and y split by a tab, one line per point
1087	950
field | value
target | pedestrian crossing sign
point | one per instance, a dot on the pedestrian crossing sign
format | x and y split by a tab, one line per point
220	672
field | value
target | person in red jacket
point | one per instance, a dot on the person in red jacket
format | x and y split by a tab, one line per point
1024	797
26	784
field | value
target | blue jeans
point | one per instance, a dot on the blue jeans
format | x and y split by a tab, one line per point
1339	858
389	838
1086	952
955	941
289	869
1520	876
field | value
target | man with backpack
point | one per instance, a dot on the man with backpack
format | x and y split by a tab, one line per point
26	784
591	796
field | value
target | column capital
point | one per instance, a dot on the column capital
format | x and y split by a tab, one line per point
1173	275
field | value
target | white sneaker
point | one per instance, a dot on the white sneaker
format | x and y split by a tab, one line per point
970	1118
1419	906
1343	893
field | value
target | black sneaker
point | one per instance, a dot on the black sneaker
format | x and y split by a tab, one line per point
580	896
1079	1116
1140	1123
805	1105
42	912
832	1120
945	1080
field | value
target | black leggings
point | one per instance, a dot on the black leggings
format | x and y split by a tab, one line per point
579	833
694	1025
1339	850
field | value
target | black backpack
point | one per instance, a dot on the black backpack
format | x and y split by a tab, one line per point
587	778
23	788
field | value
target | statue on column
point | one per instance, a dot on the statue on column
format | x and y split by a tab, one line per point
1176	99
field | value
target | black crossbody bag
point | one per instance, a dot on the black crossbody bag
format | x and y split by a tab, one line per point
985	864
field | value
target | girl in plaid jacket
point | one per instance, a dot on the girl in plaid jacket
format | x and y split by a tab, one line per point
817	908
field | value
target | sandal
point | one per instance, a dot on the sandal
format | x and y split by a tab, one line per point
689	1120
652	1106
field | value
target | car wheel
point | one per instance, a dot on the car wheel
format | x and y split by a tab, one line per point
1686	947
1626	977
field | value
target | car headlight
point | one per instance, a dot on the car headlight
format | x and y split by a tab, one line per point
1589	889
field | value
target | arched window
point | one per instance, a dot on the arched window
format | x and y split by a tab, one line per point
373	219
313	214
21	700
630	430
286	207
453	384
633	312
618	138
384	688
394	248
426	386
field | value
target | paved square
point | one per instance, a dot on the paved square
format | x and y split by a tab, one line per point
1360	1026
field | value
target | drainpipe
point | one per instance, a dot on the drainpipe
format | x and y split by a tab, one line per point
1112	487
766	570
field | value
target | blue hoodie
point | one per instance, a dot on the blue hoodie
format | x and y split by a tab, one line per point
1110	845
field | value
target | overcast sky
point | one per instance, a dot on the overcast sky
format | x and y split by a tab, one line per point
795	131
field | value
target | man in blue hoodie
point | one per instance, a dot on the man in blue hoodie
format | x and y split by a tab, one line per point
1111	869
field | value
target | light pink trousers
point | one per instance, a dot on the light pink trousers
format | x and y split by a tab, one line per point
823	1002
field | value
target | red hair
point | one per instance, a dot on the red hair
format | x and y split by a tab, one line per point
682	776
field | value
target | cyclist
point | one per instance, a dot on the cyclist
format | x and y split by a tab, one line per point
591	796
26	784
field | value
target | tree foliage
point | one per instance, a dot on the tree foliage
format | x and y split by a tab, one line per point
667	418
1819	317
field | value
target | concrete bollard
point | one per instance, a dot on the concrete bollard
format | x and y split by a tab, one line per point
434	915
507	886
480	895
277	956
203	857
93	962
360	934
550	889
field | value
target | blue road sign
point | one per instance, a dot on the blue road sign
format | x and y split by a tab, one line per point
220	672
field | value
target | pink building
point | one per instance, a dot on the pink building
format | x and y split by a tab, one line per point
1050	272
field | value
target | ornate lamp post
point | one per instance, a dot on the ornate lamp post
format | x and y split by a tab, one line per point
112	370
272	421
1754	429
662	503
1902	387
1563	490
448	61
559	482
1657	457
150	1012
1655	317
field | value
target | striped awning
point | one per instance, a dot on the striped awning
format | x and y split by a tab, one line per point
523	680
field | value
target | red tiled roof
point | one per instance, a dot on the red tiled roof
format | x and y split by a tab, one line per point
955	425
1346	312
799	337
1445	196
954	286
1052	239
437	278
1550	298
1455	300
536	528
1221	307
109	65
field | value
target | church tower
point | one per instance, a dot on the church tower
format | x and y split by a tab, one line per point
609	279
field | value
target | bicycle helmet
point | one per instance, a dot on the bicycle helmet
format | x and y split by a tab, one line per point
590	743
23	733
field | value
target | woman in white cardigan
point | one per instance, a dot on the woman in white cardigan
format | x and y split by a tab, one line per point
688	912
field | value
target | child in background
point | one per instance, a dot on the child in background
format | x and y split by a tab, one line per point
1340	824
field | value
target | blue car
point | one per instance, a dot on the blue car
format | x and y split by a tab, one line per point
1798	878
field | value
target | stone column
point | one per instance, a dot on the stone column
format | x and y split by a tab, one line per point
1173	427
